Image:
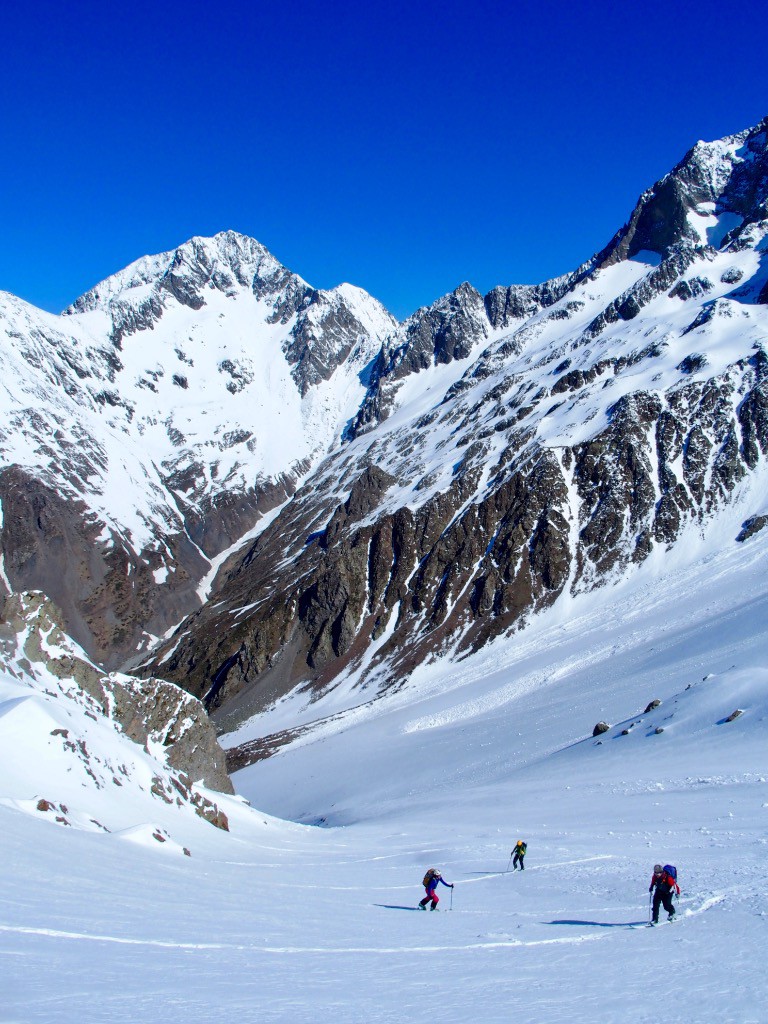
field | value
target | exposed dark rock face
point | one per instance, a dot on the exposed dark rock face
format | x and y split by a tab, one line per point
325	333
506	306
448	330
107	592
662	218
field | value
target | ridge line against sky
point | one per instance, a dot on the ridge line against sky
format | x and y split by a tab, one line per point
402	148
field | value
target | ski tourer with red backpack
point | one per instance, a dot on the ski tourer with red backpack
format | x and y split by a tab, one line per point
664	882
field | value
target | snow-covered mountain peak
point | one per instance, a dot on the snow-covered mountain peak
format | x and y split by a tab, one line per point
228	262
727	178
206	380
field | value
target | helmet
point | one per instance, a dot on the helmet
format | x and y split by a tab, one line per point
437	874
657	869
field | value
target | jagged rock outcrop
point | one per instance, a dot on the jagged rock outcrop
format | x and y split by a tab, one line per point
150	712
730	174
450	329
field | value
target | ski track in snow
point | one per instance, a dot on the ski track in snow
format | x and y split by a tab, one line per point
53	933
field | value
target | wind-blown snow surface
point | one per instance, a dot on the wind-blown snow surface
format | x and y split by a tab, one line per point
287	922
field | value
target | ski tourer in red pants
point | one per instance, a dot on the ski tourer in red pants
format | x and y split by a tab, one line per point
431	879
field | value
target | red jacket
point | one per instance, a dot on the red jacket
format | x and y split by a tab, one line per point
664	881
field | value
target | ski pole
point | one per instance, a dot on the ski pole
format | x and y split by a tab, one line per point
650	904
451	906
508	863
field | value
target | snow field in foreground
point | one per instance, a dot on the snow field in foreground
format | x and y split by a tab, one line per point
325	922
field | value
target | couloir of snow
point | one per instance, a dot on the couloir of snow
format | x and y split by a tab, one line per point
281	921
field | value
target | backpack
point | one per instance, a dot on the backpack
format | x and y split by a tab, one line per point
428	877
670	870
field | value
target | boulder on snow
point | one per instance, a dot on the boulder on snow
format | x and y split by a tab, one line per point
734	715
751	526
654	704
600	728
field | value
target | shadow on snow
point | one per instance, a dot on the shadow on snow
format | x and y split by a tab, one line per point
601	924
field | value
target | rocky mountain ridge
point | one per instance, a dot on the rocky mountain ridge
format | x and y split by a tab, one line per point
427	486
514	449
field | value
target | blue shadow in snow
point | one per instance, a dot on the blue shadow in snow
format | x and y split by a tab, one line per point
601	924
392	906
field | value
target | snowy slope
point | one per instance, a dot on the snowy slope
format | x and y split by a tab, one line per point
95	752
276	922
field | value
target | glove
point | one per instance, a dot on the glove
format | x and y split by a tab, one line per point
651	889
451	885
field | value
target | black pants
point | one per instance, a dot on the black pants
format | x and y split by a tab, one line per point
518	857
659	897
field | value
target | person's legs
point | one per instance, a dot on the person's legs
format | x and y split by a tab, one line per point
656	905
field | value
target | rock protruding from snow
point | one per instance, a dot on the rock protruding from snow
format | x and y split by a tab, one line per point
714	196
156	714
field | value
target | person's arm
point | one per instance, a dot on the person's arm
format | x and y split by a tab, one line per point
447	884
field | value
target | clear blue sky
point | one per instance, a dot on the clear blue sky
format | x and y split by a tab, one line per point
403	147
